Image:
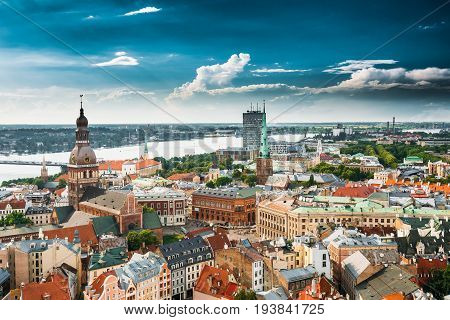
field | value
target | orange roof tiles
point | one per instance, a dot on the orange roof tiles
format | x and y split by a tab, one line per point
215	282
97	284
115	165
433	187
15	204
56	288
355	191
64	176
86	234
59	192
146	163
182	176
324	290
394	296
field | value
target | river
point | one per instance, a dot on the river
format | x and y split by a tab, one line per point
166	149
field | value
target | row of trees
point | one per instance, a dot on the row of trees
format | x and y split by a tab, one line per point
37	181
343	172
393	154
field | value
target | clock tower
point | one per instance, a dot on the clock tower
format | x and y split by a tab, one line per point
83	166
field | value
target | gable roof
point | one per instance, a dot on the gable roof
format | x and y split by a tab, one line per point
110	199
105	225
86	234
389	280
151	220
354	191
215	282
218	241
56	289
15	204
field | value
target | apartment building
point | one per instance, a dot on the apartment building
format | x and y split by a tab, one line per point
186	259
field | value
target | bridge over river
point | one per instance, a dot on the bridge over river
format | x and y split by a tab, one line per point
34	163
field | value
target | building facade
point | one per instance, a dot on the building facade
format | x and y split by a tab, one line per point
170	205
229	206
251	132
186	259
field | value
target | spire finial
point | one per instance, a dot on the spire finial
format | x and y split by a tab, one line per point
81	104
264	106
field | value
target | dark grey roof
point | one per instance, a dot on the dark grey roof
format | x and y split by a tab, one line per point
92	192
298	274
4	275
180	252
230	193
391	279
64	213
110	199
38	210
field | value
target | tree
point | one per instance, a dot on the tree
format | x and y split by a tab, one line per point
62	183
439	284
147	237
250	180
237	174
137	239
39	183
311	182
223	181
243	294
210	184
14	218
133	240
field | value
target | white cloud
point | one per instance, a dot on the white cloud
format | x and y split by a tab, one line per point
143	10
428	74
121	60
121	93
89	18
255	87
278	70
350	66
217	75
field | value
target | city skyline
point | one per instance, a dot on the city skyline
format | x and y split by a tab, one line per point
168	62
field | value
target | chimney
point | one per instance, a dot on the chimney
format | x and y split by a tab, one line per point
313	288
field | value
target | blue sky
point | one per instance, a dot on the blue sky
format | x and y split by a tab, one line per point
206	61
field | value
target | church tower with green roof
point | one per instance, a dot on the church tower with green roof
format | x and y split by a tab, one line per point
264	164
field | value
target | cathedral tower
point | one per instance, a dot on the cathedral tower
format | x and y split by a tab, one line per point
83	166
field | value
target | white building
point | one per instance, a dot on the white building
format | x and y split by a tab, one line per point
170	205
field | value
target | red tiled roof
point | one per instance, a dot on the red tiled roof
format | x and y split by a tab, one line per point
86	234
64	176
218	241
56	288
116	165
15	204
146	163
59	192
215	282
97	284
324	290
189	176
354	191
